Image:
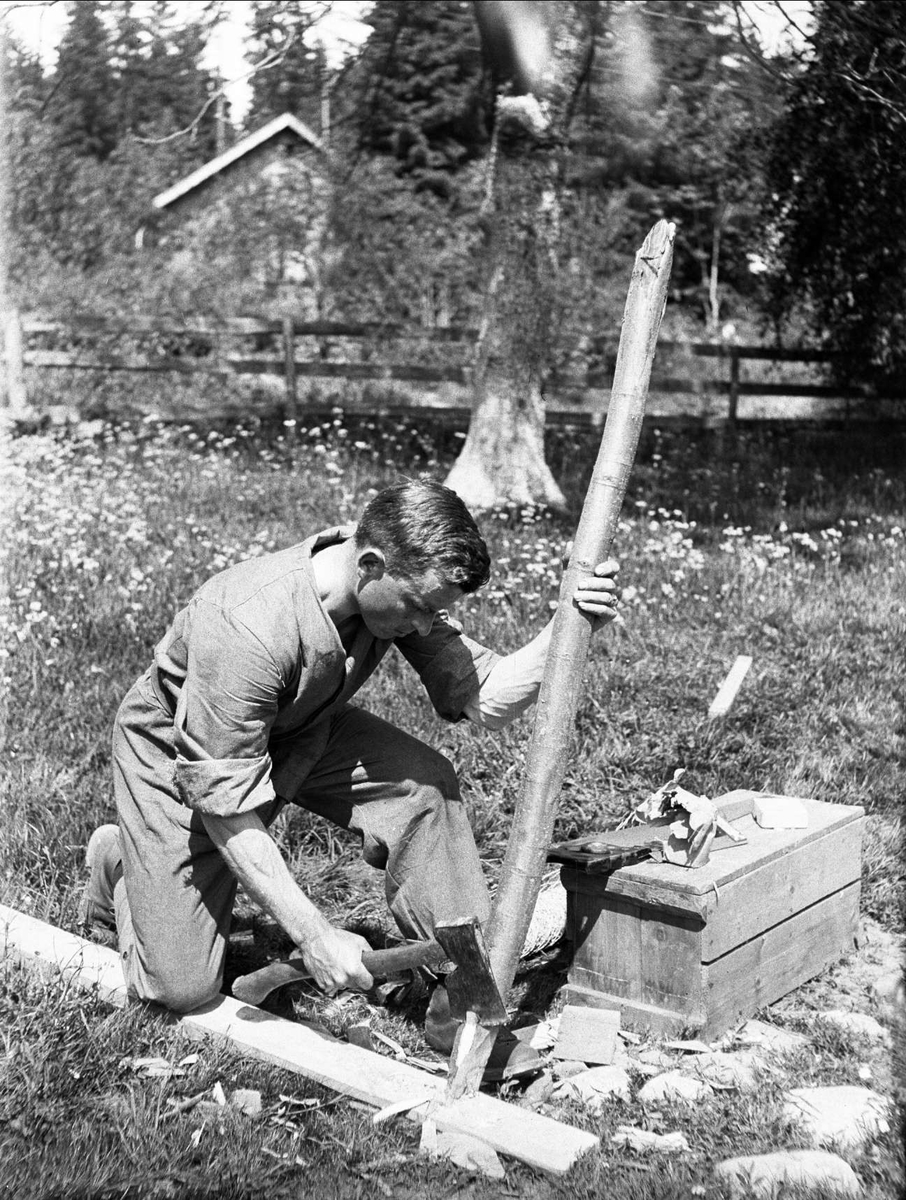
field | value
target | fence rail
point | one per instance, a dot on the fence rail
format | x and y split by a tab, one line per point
363	352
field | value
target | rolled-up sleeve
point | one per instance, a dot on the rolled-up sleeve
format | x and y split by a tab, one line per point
451	666
227	705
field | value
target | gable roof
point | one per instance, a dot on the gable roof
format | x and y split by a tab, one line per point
244	146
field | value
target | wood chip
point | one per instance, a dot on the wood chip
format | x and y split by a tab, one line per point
401	1106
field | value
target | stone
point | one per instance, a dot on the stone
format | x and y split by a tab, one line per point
768	1175
246	1100
539	1090
652	1057
596	1085
722	1070
855	1022
889	992
769	1037
674	1086
466	1152
568	1068
644	1140
838	1118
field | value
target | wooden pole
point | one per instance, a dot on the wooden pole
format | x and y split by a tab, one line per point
734	384
533	821
289	366
13	393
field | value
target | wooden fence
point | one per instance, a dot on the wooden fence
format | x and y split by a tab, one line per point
703	379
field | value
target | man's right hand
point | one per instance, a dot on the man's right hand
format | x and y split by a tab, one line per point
334	957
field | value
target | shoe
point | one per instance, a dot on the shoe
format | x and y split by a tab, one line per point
105	866
509	1059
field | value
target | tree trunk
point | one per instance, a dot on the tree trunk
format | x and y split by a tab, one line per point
502	460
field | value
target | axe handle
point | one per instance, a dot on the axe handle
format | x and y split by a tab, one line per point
384	964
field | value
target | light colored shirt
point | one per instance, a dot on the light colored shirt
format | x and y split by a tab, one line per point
252	668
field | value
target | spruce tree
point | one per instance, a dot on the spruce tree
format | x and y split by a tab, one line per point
293	75
424	100
82	105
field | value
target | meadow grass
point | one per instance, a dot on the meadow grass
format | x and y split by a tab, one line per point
788	547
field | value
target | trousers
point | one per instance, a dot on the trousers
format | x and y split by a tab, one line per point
174	901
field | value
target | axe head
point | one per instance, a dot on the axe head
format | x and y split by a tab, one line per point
471	986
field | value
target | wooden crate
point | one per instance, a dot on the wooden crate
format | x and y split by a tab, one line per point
680	950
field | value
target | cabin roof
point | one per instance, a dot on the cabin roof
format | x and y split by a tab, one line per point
286	121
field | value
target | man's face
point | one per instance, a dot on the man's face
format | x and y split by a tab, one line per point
393	606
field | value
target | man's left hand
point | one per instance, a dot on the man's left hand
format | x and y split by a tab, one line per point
599	594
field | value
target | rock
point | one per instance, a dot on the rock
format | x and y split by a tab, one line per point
770	1037
539	1090
765	1175
593	1087
841	1118
652	1057
722	1070
246	1100
567	1069
642	1140
674	1086
889	991
855	1022
465	1151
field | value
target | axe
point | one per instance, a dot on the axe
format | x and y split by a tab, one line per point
457	949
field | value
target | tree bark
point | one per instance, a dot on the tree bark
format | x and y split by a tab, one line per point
536	809
502	460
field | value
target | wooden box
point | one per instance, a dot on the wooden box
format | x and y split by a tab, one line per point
683	950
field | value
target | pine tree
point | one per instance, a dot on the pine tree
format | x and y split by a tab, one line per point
424	99
294	74
836	201
82	105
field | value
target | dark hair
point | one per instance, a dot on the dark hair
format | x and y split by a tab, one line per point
422	526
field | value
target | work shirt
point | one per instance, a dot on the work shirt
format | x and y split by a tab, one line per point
252	668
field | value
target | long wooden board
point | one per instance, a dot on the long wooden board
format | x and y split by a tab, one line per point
534	1139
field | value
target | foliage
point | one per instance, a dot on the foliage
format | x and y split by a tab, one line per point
666	128
837	187
398	256
294	74
421	78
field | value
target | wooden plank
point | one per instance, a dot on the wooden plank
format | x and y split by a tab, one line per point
587	1034
537	1140
782	958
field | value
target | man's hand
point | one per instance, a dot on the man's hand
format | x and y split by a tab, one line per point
599	594
334	957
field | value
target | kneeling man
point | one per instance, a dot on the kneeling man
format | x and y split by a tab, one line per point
246	707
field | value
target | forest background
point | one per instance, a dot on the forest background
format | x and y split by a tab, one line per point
782	172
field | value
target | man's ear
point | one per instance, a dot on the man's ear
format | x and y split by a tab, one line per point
370	564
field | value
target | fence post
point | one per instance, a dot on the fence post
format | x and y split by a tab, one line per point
12	385
289	369
734	385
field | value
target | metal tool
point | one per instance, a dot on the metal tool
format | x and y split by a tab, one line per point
599	853
458	951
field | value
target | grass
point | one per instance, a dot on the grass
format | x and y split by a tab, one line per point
788	547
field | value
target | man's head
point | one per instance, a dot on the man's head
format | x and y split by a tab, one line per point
421	526
418	550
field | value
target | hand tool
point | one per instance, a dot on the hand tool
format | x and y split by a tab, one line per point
457	950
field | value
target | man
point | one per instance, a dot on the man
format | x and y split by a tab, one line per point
246	708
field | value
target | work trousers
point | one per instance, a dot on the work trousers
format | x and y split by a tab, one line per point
175	899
